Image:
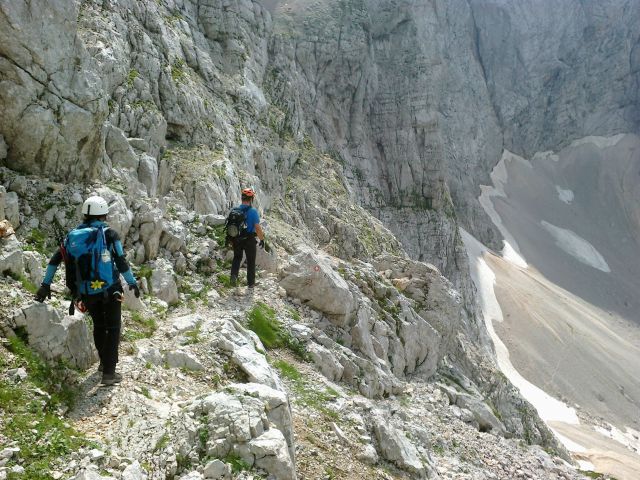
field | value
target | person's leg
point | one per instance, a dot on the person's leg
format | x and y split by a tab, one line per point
250	250
237	260
99	325
112	315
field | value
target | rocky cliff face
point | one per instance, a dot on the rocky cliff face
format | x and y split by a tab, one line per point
420	98
366	127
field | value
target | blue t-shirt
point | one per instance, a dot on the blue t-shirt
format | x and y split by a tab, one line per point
253	218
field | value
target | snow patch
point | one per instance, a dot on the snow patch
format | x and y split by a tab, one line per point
499	177
586	466
510	255
545	156
549	408
577	247
600	142
568	443
565	195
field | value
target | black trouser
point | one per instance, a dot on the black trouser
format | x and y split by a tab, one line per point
106	315
247	246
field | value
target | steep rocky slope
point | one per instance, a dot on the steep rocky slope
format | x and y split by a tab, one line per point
334	111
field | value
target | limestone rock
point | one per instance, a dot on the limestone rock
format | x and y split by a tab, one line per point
120	217
486	419
3	200
163	285
326	361
12	209
150	227
151	355
396	447
33	266
241	346
11	257
55	336
130	301
271	454
267	261
368	455
214	220
216	469
148	173
3	152
310	278
118	149
183	359
277	405
134	472
90	475
185	323
174	236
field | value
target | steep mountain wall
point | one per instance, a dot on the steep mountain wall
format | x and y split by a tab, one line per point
417	98
333	110
420	97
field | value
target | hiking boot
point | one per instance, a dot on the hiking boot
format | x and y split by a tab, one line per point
252	285
111	379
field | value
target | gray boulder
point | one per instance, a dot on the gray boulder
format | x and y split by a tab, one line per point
12	208
119	151
271	454
33	266
90	475
396	447
134	472
55	336
3	200
216	469
163	286
325	361
311	278
11	256
148	173
242	347
183	359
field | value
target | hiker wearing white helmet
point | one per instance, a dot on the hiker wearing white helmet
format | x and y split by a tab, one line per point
94	260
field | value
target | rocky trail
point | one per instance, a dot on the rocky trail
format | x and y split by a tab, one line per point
144	426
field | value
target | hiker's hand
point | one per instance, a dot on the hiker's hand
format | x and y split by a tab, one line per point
136	289
261	243
43	292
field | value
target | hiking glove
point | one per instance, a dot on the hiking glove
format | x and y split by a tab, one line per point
261	243
136	289
43	292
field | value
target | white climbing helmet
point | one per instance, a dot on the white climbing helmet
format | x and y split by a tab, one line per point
95	206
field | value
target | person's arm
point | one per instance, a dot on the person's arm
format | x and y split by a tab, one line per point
45	287
259	231
255	218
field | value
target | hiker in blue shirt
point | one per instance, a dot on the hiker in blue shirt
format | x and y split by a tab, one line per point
94	259
243	226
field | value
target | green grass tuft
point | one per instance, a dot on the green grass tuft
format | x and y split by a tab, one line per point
33	420
263	321
237	464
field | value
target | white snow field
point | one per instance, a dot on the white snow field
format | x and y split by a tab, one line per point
562	300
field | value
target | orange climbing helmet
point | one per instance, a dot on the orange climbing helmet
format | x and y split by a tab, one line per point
248	193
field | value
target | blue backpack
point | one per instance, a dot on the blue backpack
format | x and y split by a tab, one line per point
87	247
